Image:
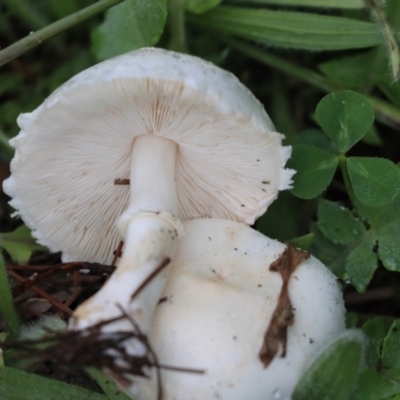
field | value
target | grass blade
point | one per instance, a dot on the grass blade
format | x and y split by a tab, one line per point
289	29
7	308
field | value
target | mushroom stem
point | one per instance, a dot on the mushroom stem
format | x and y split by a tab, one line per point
137	283
149	230
152	176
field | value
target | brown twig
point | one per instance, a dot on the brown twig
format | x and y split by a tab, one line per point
95	346
73	296
52	300
120	181
151	276
48	272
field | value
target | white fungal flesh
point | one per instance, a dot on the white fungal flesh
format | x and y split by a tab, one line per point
153	241
150	236
152	175
218	302
214	154
229	161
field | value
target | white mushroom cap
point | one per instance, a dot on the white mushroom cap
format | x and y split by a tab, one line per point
229	162
216	307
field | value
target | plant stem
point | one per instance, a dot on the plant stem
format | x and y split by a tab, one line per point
36	38
388	36
177	26
386	113
346	178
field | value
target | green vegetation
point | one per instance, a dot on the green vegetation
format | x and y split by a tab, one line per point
327	72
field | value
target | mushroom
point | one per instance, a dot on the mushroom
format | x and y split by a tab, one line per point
188	137
218	304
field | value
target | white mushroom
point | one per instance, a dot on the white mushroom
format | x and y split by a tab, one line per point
215	311
192	140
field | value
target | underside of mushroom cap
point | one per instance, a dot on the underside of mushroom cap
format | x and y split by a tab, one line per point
230	163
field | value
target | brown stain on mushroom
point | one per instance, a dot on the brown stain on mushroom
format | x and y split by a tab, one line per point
283	316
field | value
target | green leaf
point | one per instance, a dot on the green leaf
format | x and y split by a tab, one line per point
108	386
388	35
303	242
290	29
393	13
357	260
378	217
375	330
287	208
338	224
384	223
360	257
41	328
309	3
391	347
7	309
345	116
18	385
362	71
333	374
129	26
342	242
315	169
388	87
331	254
375	386
389	248
314	137
19	244
200	6
372	137
361	264
351	71
375	181
352	320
